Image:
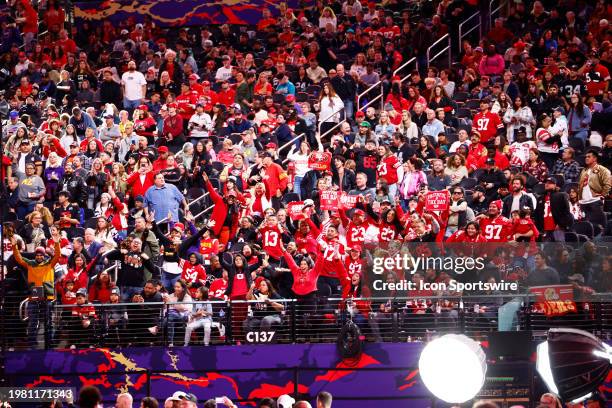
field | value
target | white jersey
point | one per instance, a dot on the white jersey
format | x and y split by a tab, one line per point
519	152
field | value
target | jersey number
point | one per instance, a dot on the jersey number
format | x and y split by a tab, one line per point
270	239
483	124
493	231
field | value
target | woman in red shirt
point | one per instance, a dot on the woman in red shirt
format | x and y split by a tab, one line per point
140	181
263	87
101	287
239	275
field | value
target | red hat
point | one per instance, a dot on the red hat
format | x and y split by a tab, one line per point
231	194
179	226
358	211
519	44
172	105
360	114
356	248
206	83
334	214
143	108
259	280
395	78
54	115
272	110
161	40
371	4
40	250
290	98
297	47
498	203
271	145
49	131
22	54
162	149
194	77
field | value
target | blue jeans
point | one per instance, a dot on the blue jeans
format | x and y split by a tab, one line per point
24	209
349	105
168	280
128	292
296	185
36	312
131	105
581	134
173	320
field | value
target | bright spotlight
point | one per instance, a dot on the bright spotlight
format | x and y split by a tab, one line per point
453	368
573	363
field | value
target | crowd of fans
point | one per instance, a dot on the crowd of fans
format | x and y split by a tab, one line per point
113	132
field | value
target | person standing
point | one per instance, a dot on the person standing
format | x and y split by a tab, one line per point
164	200
594	186
134	87
552	213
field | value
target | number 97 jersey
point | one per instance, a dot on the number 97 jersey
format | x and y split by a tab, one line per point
497	229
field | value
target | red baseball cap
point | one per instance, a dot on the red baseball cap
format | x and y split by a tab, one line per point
290	98
143	108
162	149
360	114
194	77
179	226
272	110
271	145
206	83
172	105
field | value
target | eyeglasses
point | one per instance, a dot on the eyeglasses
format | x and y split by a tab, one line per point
457	192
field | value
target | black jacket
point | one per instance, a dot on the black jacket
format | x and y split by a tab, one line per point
77	188
524	201
559	207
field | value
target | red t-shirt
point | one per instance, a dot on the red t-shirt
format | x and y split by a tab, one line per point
239	287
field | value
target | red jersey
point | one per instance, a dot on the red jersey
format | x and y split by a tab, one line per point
549	222
355	234
186	104
217	289
226	97
389	32
193	274
240	285
83	311
523	226
387	232
354	266
387	169
462	237
209	247
487	124
497	229
271	241
596	80
331	262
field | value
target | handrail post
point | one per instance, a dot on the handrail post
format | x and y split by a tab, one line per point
293	318
229	335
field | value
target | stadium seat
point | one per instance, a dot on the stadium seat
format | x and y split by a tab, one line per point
290	197
473	104
468	183
218	166
584	228
571	236
460	96
464	113
539	189
577	144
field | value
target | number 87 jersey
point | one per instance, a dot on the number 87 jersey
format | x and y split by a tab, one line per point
498	229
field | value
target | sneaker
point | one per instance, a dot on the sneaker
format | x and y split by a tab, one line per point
72	347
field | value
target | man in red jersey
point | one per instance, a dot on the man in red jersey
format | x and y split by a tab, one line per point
488	124
356	228
186	102
494	226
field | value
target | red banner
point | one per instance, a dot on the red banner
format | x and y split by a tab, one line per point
319	161
437	201
348	201
555	300
294	209
329	199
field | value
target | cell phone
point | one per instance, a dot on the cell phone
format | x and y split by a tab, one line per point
219	400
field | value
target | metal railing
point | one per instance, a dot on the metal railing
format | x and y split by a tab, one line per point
478	26
48	325
446	38
401	67
379	84
289	143
497	11
329	117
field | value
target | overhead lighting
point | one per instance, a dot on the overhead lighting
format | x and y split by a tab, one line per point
453	368
573	363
